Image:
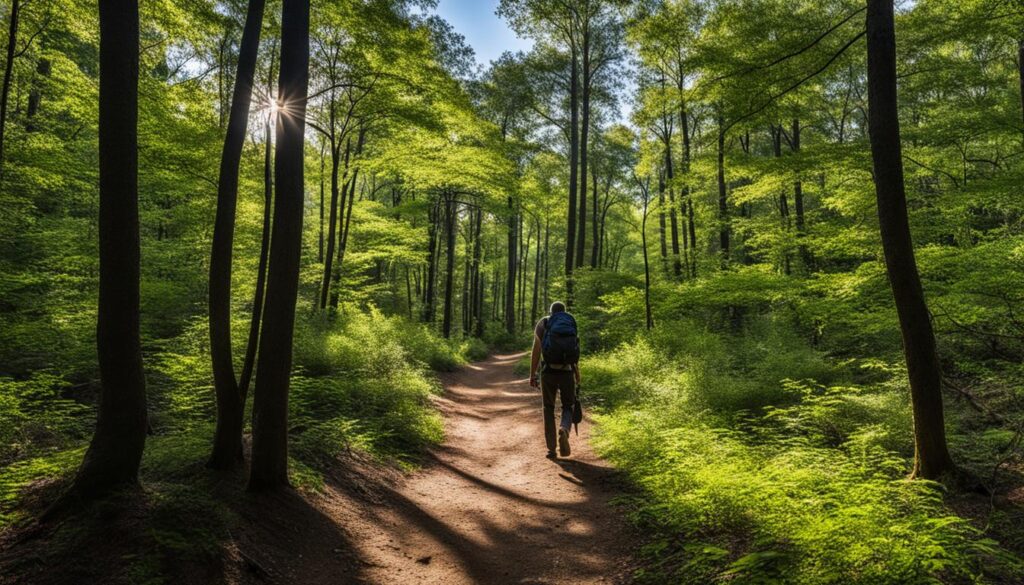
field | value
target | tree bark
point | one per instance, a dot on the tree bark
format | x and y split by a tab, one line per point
723	203
428	295
261	272
931	457
595	250
5	90
513	267
449	277
677	269
332	220
581	235
478	284
798	202
269	469
112	460
574	113
227	442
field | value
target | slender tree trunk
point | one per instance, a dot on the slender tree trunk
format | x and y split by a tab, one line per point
687	199
227	443
261	273
320	233
595	249
798	201
581	235
574	123
449	277
677	270
647	267
932	459
5	90
269	469
478	284
693	235
663	226
723	203
112	460
513	267
547	264
348	214
428	299
332	221
536	277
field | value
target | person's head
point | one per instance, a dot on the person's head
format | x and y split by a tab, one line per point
557	307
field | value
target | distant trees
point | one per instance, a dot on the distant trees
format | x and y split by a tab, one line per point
112	460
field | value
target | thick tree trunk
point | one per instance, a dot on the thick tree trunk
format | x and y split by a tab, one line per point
449	276
269	469
112	460
227	442
513	267
932	459
5	89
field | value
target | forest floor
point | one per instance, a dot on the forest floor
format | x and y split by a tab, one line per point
486	506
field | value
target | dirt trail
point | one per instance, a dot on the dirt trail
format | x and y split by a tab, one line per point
489	507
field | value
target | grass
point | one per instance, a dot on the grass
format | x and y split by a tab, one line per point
748	475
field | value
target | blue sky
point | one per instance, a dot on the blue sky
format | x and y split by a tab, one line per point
487	33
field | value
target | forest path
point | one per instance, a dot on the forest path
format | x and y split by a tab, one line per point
488	507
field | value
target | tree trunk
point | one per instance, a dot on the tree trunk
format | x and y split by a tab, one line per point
5	90
478	284
574	122
513	266
112	460
647	268
353	184
320	233
798	201
227	442
332	221
581	235
449	277
663	226
536	278
595	250
547	263
687	197
677	269
428	298
723	203
932	459
261	273
269	469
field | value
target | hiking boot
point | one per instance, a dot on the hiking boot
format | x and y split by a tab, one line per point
563	443
551	454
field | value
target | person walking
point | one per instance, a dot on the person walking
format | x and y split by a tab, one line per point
556	340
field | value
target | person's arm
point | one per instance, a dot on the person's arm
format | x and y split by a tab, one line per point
535	361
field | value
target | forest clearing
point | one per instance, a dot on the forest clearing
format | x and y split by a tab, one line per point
268	270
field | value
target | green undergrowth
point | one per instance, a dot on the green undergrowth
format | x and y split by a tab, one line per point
363	382
758	460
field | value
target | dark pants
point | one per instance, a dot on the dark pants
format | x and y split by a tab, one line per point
562	383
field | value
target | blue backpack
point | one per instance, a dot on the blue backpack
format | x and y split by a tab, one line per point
561	344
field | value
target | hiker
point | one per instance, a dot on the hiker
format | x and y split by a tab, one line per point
555	338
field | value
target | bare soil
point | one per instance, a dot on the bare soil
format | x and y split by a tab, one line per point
486	507
490	507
